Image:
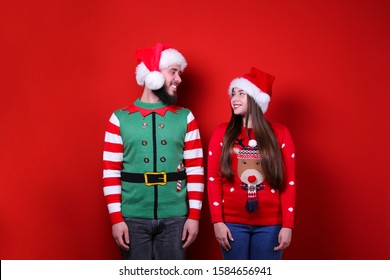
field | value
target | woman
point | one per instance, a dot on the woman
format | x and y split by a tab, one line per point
251	175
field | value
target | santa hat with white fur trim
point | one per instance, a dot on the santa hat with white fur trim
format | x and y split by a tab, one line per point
256	84
152	60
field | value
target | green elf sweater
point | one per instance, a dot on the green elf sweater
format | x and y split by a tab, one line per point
152	137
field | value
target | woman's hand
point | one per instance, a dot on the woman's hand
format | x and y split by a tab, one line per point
284	239
223	235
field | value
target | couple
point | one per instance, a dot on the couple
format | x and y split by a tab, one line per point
154	177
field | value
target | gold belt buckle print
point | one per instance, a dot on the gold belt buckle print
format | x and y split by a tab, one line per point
163	178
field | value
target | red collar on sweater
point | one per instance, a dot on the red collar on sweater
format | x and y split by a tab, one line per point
144	112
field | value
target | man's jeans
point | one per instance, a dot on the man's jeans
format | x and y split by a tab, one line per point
253	242
155	239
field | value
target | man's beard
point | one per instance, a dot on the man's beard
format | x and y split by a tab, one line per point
164	96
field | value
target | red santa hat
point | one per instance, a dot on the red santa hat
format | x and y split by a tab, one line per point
257	84
152	60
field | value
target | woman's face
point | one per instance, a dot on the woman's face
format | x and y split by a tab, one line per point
239	102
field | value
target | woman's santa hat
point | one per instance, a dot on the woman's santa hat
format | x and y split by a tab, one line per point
152	60
256	84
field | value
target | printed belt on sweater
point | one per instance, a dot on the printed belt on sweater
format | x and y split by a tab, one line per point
153	178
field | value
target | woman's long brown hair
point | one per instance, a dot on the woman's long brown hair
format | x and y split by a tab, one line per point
272	163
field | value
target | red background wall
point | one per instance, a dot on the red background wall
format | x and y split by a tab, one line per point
66	65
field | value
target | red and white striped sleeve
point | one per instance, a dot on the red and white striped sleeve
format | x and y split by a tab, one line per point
193	162
112	166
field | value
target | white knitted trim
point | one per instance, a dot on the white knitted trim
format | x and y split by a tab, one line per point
171	57
261	98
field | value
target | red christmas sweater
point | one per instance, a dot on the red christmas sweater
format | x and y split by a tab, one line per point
227	199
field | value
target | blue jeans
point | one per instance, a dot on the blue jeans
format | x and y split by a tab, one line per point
155	239
253	243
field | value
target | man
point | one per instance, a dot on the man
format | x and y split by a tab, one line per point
153	164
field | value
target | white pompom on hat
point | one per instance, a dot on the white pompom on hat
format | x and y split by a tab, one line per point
152	60
257	84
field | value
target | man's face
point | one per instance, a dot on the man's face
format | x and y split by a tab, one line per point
167	94
172	79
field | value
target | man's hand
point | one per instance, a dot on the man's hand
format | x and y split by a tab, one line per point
120	232
190	232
